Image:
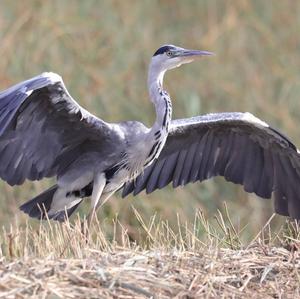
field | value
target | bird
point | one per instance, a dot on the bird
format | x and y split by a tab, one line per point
44	132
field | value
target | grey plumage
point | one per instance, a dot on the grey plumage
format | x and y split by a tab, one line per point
237	146
43	129
45	133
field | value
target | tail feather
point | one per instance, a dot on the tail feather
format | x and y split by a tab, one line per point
39	206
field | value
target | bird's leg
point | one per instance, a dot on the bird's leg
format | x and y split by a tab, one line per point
104	199
95	206
98	186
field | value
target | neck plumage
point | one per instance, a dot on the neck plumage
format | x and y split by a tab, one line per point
163	106
161	101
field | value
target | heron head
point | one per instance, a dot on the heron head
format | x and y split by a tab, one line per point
169	56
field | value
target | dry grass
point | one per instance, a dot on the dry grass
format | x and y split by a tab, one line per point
102	49
259	272
58	261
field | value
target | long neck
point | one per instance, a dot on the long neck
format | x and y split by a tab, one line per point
160	99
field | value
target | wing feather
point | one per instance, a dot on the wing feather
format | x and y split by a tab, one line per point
39	120
238	146
231	162
168	170
199	160
179	167
141	181
185	174
152	181
196	162
203	171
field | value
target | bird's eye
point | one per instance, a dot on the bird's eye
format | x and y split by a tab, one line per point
169	53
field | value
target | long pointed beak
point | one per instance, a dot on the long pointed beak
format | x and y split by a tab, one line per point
194	53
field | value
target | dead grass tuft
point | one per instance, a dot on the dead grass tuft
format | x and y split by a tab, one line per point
58	261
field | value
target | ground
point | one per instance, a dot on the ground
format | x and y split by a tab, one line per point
58	261
260	272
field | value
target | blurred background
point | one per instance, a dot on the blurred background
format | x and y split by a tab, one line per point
102	50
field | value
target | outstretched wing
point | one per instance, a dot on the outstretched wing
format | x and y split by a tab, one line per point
41	128
238	146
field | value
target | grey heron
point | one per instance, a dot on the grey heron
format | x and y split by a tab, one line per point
44	132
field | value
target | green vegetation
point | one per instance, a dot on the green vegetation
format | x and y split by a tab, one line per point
102	50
